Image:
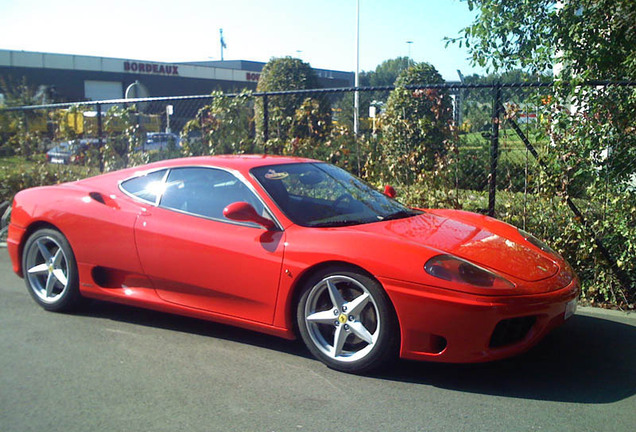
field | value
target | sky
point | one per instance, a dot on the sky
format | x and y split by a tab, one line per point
322	33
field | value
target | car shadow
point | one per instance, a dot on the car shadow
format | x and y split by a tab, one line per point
167	321
588	360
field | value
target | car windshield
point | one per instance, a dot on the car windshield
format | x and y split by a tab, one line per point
322	195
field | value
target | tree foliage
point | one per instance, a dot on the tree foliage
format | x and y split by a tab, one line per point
225	126
18	133
283	74
594	39
388	71
416	125
591	128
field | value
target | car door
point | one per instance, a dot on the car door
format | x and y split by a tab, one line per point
199	259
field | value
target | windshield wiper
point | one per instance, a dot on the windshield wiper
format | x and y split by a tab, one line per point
336	223
400	215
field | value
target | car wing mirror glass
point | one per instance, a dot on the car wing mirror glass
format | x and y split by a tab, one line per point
245	212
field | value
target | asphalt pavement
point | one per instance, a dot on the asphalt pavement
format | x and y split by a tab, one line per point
117	368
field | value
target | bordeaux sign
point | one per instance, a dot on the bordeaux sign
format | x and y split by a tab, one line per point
151	68
252	76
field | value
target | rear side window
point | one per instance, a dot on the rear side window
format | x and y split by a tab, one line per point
147	187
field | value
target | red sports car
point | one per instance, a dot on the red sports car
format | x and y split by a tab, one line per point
293	247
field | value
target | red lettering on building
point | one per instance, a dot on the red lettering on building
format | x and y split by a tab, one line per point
153	68
252	76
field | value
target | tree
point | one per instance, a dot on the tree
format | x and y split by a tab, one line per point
594	39
224	126
283	74
591	128
388	71
23	131
416	125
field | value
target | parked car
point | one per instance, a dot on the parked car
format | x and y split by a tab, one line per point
294	248
72	151
161	141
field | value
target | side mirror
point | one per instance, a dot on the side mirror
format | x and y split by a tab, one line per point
245	212
390	191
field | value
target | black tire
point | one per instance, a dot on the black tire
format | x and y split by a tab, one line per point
347	321
50	271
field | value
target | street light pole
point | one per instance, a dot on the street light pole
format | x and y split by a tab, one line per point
409	57
356	96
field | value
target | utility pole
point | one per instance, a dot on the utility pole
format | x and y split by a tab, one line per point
356	95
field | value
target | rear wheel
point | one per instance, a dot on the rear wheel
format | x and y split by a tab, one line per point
346	320
50	271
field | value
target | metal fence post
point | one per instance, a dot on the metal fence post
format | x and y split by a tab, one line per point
24	141
265	123
99	137
494	149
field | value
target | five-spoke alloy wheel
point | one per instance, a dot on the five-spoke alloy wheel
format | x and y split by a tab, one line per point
50	271
346	321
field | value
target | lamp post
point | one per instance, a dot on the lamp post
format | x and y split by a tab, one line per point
409	43
356	96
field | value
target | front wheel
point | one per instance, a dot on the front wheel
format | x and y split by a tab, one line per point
346	320
50	271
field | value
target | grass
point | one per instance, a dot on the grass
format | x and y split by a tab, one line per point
14	162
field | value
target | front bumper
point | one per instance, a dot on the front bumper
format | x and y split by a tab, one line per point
14	238
438	325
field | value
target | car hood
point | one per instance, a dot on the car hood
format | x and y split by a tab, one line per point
476	238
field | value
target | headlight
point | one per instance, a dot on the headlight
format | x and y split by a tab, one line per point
536	242
457	270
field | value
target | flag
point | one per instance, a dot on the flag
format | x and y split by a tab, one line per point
223	45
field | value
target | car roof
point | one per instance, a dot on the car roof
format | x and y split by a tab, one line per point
241	163
238	162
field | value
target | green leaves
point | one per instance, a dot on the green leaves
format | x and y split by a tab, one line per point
224	126
284	122
416	125
593	39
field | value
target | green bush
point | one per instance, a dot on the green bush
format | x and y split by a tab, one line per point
416	126
225	126
551	220
25	175
283	74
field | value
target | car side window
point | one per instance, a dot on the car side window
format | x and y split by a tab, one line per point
205	192
145	187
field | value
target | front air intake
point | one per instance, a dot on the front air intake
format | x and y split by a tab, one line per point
510	331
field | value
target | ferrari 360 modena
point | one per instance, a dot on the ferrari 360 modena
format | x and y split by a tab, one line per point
294	248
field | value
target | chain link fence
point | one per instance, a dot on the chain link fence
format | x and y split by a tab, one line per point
560	166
